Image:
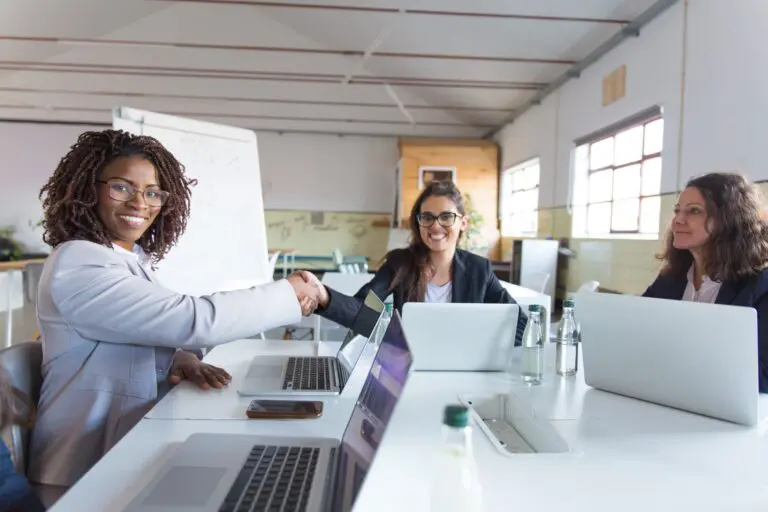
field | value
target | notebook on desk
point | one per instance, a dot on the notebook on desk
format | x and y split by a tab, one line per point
239	473
700	358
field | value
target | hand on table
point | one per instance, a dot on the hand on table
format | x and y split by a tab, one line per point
186	366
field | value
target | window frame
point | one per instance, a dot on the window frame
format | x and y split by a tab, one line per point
643	120
506	194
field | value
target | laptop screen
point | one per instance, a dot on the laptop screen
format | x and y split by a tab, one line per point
371	415
364	324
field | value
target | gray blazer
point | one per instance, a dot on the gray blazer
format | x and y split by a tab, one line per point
109	333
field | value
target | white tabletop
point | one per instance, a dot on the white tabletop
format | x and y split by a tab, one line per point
627	455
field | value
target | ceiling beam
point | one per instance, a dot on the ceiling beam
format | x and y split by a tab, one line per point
631	30
245	99
423	12
70	41
227	74
224	115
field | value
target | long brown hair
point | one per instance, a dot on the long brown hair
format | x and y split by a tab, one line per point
70	196
413	267
737	247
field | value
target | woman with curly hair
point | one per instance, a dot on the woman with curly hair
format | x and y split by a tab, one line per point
112	335
717	251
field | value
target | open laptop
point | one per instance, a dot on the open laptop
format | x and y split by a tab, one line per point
234	473
700	358
460	337
313	375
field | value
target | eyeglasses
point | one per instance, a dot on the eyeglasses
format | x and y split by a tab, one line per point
123	192
445	219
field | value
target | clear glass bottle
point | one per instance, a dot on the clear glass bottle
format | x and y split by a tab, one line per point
455	479
568	335
533	347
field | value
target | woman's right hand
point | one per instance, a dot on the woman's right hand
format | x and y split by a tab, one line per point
308	290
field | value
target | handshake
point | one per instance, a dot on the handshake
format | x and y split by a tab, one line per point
309	291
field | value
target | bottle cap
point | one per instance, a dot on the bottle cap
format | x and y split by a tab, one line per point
568	303
388	307
456	416
534	308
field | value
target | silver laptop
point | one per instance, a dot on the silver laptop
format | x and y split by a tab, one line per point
314	375
234	473
460	337
700	358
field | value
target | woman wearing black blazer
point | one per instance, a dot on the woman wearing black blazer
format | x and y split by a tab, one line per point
432	268
717	252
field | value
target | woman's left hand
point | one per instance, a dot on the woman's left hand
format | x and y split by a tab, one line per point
203	375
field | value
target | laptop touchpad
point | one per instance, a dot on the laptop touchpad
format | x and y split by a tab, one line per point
185	486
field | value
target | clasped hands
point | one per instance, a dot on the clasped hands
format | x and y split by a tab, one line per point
309	291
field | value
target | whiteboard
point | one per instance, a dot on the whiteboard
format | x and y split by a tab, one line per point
225	244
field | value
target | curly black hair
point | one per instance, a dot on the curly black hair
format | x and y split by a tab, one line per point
71	194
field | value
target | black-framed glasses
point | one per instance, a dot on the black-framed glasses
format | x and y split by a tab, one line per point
124	192
445	219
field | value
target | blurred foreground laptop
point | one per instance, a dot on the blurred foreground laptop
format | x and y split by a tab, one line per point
238	473
700	358
460	337
314	375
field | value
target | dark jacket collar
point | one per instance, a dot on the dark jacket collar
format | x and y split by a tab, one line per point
728	290
458	277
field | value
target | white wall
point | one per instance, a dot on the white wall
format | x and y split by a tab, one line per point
724	105
328	172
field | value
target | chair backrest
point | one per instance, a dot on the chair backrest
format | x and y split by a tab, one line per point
589	286
273	263
538	281
21	365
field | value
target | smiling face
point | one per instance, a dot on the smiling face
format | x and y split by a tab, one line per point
691	226
127	221
446	223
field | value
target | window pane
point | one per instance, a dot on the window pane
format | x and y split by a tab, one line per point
626	182
506	194
599	218
654	137
601	154
532	175
652	176
600	186
629	145
518	202
650	212
517	180
624	216
533	200
579	220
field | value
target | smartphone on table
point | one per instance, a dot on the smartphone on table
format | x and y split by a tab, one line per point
284	409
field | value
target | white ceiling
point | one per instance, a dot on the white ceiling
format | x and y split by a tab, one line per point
340	66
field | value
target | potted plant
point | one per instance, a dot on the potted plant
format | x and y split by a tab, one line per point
10	249
473	240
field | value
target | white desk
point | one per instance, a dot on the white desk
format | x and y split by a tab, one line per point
629	455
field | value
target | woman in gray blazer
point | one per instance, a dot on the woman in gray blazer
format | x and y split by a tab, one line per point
113	337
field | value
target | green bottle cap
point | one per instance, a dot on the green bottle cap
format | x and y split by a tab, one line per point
456	416
388	307
568	303
534	308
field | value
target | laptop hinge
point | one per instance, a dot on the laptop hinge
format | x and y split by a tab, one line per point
341	375
330	500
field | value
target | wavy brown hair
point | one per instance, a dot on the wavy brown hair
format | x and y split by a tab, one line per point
413	267
71	194
737	247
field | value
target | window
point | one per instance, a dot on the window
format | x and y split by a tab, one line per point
520	199
618	180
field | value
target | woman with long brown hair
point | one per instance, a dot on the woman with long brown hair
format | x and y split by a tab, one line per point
432	268
717	251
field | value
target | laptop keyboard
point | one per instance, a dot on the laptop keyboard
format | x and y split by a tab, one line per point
308	373
273	478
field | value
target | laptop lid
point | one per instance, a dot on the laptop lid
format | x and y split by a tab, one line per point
365	322
379	396
697	357
461	337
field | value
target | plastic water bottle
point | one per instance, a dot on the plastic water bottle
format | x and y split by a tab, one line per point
456	483
533	347
568	334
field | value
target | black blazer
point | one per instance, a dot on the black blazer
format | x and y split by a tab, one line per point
752	293
473	281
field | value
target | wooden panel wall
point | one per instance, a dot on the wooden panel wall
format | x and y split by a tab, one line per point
477	174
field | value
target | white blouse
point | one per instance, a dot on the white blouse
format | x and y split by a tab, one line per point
707	292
